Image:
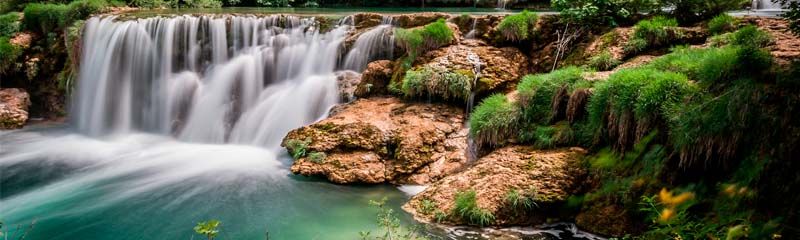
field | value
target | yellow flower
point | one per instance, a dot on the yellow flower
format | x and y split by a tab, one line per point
730	190
666	215
667	198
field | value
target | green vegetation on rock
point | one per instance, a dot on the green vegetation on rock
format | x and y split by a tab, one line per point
9	24
722	24
466	207
650	33
494	121
518	27
536	92
8	55
428	81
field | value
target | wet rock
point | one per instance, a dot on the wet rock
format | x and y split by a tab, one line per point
347	81
377	140
500	68
14	104
548	177
375	78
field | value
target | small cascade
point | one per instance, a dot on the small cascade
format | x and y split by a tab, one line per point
375	44
501	4
229	79
475	60
473	32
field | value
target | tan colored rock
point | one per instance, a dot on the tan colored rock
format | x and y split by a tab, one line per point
786	47
378	140
375	78
549	176
14	104
500	68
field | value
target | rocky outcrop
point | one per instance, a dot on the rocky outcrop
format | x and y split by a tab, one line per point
500	68
547	177
378	140
14	104
346	82
375	78
786	45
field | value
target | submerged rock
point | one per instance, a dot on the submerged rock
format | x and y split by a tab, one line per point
14	104
378	140
547	177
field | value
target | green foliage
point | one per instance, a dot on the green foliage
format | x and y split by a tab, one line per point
536	92
692	11
82	9
518	27
9	24
438	82
297	148
658	31
317	157
466	207
392	230
751	36
793	14
8	55
209	228
721	24
594	12
604	61
427	206
45	18
518	200
494	121
713	66
431	36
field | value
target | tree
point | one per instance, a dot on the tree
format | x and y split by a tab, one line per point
793	15
692	11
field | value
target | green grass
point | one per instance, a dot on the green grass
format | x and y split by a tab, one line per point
518	27
427	206
494	121
604	61
82	9
45	18
431	36
437	82
519	200
466	207
751	36
8	55
9	24
721	24
536	92
714	66
654	32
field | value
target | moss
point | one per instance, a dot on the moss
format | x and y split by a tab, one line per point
82	9
494	121
518	27
519	201
714	66
427	207
437	82
297	148
317	157
751	36
721	24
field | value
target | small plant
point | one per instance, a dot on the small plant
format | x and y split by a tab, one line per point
466	207
297	148
494	121
392	229
518	27
721	24
751	36
654	32
427	206
317	157
209	228
519	201
604	61
536	93
437	81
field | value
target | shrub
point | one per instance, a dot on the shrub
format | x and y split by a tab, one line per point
417	41
537	93
297	148
317	157
494	121
518	27
8	55
466	207
793	14
654	32
9	24
604	61
721	24
45	18
751	36
715	65
439	82
82	9
594	12
692	11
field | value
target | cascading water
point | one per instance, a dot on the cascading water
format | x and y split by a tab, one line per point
473	31
377	43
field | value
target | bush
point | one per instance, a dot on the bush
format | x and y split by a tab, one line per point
604	61
8	55
9	24
721	24
537	92
494	121
431	36
793	14
82	9
751	36
715	65
692	11
45	18
439	82
654	32
466	207
594	12
518	27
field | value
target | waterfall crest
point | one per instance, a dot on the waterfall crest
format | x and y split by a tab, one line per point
210	79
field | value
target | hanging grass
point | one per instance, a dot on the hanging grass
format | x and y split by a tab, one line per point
518	27
654	32
466	207
539	94
494	121
428	81
8	55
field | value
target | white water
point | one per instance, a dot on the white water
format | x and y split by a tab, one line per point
377	43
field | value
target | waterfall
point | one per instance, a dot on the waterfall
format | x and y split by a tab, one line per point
210	79
473	31
377	43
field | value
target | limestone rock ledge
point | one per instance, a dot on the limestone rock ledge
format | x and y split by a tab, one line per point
14	103
376	140
548	177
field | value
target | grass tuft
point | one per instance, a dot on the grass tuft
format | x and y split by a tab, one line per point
494	121
518	27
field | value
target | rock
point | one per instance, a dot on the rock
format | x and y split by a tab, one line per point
607	219
500	68
548	176
14	104
418	19
375	78
786	47
347	81
378	140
